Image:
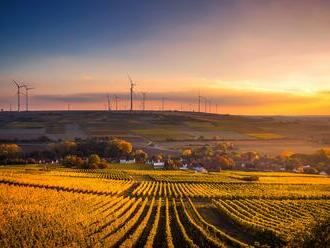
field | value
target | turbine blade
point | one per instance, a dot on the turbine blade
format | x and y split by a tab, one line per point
16	83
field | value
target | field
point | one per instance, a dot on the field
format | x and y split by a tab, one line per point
162	132
130	206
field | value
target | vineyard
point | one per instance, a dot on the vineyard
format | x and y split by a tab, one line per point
146	208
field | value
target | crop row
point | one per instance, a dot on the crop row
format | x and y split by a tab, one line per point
232	191
276	220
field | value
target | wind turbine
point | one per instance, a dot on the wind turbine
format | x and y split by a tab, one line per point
144	100
27	88
132	84
163	103
108	102
19	86
205	102
199	101
116	101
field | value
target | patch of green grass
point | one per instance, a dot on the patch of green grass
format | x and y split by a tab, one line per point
265	135
161	134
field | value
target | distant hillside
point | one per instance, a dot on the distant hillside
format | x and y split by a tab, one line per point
149	126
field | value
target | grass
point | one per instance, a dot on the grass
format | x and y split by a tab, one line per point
161	134
266	135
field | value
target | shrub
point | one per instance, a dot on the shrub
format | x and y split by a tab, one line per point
73	161
250	178
141	155
94	159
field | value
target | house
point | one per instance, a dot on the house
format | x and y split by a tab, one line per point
200	169
184	167
127	161
158	165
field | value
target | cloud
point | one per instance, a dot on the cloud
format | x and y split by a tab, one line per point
224	97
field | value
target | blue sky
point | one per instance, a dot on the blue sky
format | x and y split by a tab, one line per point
45	28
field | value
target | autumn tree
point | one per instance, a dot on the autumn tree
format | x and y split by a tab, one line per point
117	148
225	162
64	148
94	159
73	161
187	153
9	151
141	155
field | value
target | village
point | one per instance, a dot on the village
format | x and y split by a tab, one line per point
102	153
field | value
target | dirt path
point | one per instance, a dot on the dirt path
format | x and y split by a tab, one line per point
214	217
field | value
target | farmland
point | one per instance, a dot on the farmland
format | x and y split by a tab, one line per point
165	131
130	207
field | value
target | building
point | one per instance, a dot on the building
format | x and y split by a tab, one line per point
200	169
158	165
127	161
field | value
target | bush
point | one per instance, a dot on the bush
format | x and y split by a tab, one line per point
73	161
141	155
250	178
9	151
94	159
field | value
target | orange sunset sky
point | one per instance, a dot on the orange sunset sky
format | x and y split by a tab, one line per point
246	57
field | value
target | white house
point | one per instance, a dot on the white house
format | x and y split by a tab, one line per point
200	169
125	161
159	165
184	167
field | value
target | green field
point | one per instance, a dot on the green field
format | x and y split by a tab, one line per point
136	206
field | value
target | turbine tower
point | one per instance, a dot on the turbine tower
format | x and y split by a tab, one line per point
205	102
27	88
199	101
108	102
144	100
163	103
19	86
116	101
132	84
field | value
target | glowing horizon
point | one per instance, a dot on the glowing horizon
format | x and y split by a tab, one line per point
250	57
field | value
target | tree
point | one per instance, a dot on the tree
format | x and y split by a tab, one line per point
187	153
94	159
64	148
125	147
141	155
157	157
9	151
204	151
117	148
225	162
170	164
322	155
73	161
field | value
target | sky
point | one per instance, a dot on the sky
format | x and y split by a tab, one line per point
244	56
